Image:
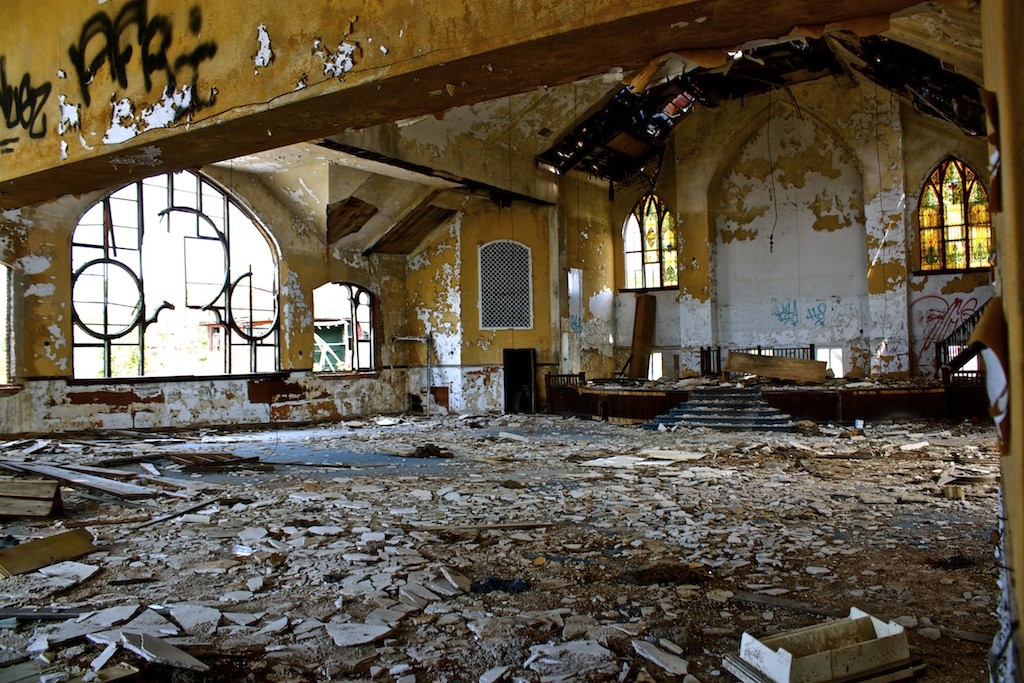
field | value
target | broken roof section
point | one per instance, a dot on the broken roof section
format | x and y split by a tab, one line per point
634	125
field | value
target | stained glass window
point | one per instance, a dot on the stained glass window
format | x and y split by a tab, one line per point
649	243
955	230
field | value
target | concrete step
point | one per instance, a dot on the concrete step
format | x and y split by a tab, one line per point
726	409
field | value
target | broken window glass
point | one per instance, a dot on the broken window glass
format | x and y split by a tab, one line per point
649	246
955	230
343	328
171	277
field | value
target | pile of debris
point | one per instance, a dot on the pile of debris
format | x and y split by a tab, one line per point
510	548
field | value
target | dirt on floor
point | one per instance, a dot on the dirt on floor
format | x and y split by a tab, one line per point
528	548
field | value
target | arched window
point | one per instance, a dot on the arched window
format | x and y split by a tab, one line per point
506	286
172	277
953	220
649	239
342	328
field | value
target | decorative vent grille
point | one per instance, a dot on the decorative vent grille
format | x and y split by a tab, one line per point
506	300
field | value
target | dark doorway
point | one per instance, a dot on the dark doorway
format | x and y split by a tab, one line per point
520	385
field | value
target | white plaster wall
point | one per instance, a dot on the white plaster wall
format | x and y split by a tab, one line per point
791	250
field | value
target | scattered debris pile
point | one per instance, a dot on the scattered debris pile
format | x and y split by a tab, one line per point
509	548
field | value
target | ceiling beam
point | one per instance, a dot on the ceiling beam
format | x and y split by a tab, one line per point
219	80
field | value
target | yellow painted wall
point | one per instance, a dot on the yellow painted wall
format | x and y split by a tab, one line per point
529	226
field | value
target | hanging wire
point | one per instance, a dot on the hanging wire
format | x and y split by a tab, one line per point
771	167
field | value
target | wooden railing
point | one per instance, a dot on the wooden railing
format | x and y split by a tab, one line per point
711	356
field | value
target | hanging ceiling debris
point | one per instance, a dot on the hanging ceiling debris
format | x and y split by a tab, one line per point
632	128
919	78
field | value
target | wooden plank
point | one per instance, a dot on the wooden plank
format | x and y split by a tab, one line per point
485	527
178	513
786	603
27	557
11	506
793	369
80	479
643	336
30	498
28	488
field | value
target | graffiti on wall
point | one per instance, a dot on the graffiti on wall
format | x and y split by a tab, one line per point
22	106
940	317
817	314
787	312
132	36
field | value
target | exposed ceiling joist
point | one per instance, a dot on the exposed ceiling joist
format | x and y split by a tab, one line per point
407	233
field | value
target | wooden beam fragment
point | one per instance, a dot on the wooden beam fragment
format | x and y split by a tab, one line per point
27	557
80	479
776	367
30	498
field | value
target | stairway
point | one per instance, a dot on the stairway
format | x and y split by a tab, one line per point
726	409
953	352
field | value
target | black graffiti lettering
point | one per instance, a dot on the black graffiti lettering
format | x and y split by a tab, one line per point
192	60
155	44
153	35
22	105
5	145
115	51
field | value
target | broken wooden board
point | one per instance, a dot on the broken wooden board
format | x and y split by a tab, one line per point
775	367
80	479
30	498
27	557
218	462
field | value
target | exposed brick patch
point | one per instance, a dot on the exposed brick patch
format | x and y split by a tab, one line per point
318	411
111	398
273	389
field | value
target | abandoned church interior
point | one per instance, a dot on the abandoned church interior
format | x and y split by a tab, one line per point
382	342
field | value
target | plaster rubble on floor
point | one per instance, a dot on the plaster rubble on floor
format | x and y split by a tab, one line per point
371	562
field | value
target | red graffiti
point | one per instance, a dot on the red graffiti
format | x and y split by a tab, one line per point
941	317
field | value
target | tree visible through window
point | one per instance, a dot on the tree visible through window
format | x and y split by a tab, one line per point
342	328
953	219
172	277
649	239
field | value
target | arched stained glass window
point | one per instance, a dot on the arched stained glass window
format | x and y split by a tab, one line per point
953	220
172	277
649	243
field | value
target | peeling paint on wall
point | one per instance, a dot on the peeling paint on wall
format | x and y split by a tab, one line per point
264	55
790	259
32	264
172	106
338	63
43	290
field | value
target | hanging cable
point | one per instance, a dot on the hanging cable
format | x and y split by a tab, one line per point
771	174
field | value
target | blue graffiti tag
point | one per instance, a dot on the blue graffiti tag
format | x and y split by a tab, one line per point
817	313
786	312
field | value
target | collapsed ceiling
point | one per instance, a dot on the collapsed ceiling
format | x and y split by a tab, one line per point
625	135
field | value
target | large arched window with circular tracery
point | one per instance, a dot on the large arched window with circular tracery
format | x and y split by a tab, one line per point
172	277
